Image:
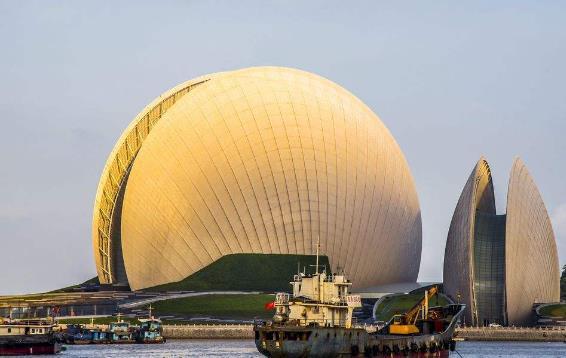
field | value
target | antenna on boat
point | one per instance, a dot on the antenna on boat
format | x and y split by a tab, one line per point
317	249
150	308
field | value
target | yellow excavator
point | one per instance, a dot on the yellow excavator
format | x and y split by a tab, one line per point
406	322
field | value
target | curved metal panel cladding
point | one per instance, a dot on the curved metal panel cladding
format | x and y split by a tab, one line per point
532	269
458	257
112	180
265	160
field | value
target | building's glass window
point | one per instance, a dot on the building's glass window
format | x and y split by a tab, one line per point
489	269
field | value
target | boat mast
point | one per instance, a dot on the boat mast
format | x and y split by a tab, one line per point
317	249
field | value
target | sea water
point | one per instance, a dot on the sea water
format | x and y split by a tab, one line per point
246	348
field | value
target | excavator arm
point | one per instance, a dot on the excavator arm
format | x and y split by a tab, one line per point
405	324
413	313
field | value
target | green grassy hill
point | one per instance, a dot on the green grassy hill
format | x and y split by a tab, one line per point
245	272
219	306
557	310
228	307
92	281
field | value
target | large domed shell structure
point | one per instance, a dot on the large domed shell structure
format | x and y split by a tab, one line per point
259	160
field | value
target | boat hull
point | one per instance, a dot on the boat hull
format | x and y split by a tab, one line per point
343	342
23	349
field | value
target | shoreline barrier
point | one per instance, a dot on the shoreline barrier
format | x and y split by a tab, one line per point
519	334
245	331
212	331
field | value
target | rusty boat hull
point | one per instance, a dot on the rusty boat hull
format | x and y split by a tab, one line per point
285	340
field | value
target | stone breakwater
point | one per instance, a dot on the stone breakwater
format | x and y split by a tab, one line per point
245	331
202	331
527	334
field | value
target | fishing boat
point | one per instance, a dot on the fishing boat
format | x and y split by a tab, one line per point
150	330
80	334
121	332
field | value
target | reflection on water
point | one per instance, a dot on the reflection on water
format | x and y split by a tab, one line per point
510	349
173	348
246	348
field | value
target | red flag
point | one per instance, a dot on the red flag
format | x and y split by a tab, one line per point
269	306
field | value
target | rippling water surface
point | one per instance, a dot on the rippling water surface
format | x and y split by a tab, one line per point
245	348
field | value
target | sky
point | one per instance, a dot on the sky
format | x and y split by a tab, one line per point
451	80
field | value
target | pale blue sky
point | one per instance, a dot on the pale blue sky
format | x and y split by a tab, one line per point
452	81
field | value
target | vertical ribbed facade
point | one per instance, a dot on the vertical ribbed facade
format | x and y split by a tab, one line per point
267	160
500	265
533	272
477	196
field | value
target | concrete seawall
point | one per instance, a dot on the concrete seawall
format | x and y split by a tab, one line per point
201	331
244	331
526	334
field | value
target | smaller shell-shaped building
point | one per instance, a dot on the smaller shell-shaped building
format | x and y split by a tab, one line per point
531	259
500	265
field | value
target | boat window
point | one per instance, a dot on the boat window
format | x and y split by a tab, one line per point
33	330
9	330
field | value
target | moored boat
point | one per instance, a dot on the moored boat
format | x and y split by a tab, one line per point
121	332
28	337
316	321
150	331
79	334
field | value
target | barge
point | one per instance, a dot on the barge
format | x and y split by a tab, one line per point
28	337
316	321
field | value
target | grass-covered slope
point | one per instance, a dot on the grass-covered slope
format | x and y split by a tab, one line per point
226	307
92	281
557	310
245	272
218	306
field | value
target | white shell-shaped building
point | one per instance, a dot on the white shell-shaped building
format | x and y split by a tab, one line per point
500	265
259	160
